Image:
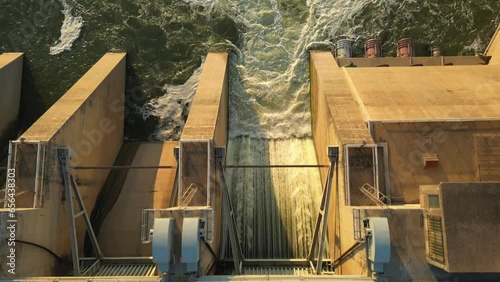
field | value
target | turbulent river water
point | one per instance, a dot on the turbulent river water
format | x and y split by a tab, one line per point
268	41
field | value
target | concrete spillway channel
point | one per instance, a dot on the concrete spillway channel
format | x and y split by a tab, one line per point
88	120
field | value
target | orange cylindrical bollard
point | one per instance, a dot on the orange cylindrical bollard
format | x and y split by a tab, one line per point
405	48
373	48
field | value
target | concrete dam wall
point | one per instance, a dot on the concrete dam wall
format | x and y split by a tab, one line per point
88	120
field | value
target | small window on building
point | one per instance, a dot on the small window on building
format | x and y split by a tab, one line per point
434	201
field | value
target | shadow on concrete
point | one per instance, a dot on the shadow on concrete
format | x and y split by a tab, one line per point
110	191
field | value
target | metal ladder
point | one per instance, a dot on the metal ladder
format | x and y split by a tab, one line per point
188	195
375	196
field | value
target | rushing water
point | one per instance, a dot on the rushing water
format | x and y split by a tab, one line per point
269	86
166	40
275	206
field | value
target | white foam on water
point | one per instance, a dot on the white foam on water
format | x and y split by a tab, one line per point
271	100
172	108
70	30
202	7
476	46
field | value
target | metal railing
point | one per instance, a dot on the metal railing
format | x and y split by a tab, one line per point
24	155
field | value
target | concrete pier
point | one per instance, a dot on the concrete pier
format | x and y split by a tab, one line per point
205	129
11	70
208	116
413	126
337	120
88	119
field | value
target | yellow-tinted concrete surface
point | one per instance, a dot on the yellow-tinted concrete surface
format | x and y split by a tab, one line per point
88	119
11	71
419	93
208	115
119	234
329	81
462	157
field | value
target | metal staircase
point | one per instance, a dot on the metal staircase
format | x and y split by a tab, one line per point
375	196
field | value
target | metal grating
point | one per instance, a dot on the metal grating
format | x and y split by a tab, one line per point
305	278
435	239
277	271
127	270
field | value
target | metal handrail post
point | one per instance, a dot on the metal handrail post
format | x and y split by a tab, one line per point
37	172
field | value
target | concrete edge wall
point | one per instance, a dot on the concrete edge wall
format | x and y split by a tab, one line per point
336	120
11	72
324	135
207	122
203	120
88	119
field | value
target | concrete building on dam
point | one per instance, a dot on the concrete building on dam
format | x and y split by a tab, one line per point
418	148
407	150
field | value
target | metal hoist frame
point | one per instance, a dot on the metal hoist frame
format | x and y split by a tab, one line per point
70	187
12	163
322	219
228	214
